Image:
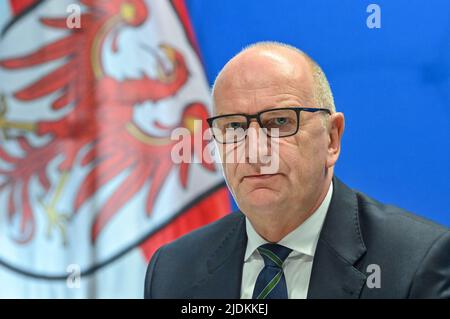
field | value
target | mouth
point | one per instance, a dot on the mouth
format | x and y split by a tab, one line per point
259	177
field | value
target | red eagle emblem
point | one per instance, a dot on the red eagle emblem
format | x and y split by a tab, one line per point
98	117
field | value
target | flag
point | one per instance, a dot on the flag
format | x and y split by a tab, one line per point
90	93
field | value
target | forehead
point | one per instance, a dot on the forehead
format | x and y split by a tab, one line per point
261	80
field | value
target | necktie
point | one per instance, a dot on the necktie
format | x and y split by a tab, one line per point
271	283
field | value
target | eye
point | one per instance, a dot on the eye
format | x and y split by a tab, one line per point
279	121
235	125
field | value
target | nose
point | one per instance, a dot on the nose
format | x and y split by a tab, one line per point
257	149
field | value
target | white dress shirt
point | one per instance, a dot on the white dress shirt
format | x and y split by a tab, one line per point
298	265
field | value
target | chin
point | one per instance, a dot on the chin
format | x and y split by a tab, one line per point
262	198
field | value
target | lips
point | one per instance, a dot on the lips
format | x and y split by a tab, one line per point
259	177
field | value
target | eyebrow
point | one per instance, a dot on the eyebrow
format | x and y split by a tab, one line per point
265	109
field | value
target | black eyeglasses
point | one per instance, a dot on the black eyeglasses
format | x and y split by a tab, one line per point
232	128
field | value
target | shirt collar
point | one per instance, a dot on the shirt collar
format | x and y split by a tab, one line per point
303	239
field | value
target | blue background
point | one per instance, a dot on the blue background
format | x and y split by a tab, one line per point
391	83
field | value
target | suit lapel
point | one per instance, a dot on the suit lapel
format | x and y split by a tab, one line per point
333	274
339	247
224	266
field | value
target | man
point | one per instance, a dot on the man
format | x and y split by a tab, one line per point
300	232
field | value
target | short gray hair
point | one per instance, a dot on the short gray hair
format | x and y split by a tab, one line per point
323	95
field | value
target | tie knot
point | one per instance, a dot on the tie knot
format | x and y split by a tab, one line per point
273	254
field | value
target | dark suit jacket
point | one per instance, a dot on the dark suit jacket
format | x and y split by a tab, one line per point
413	255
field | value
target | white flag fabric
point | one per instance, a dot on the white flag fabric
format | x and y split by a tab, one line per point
90	93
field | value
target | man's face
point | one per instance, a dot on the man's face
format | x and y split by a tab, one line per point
255	82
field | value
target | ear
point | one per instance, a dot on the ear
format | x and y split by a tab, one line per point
336	123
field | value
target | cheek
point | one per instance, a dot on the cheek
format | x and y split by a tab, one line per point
303	159
295	163
231	153
230	171
233	161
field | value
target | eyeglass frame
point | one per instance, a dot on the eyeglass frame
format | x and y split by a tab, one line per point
257	116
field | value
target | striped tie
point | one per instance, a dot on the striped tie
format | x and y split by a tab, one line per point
271	283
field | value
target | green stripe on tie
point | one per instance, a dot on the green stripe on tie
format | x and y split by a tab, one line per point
271	255
266	291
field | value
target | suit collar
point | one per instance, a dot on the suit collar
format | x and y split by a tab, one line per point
333	275
224	265
340	246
